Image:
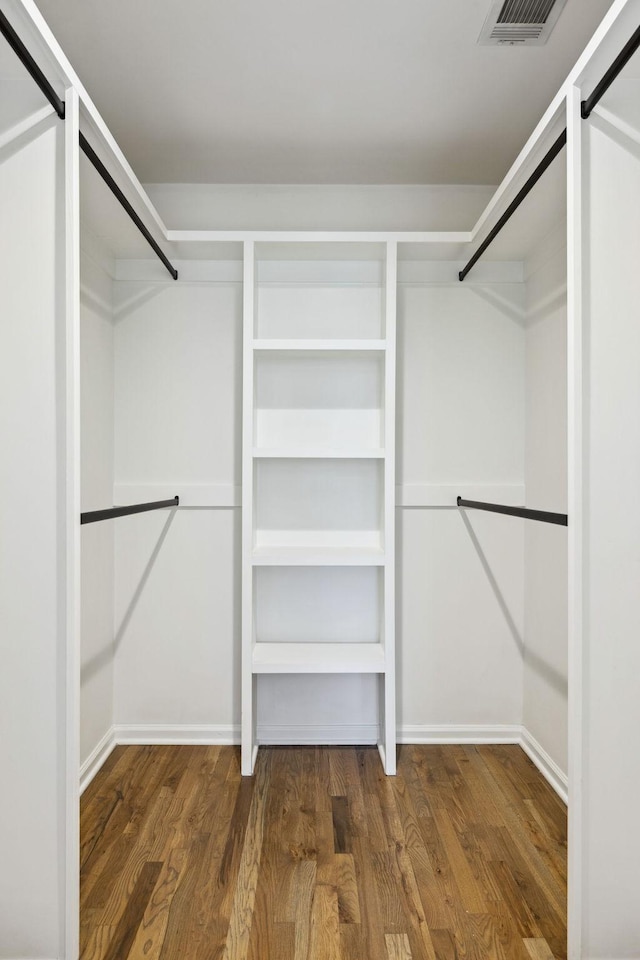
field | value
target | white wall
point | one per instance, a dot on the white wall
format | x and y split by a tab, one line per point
177	423
97	539
545	674
177	427
31	585
191	206
611	841
460	574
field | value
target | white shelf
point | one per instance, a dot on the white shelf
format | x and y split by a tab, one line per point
318	475
318	557
306	346
316	453
318	658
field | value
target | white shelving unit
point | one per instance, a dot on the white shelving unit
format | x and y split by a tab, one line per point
318	470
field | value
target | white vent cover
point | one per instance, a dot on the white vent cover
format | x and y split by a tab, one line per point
519	22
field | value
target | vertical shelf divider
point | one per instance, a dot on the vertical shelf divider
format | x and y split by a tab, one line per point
249	746
387	743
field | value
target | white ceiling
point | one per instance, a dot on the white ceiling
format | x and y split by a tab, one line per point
314	91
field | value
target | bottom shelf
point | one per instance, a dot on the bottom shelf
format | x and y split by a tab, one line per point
318	658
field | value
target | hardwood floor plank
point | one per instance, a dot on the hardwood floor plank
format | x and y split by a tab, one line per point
471	892
151	932
324	937
127	926
373	943
341	825
538	949
398	946
237	942
462	856
444	944
344	877
96	942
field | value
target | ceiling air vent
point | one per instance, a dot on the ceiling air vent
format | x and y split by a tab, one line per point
519	22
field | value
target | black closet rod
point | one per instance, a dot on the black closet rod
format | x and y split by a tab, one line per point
543	515
94	515
620	61
546	161
23	54
90	153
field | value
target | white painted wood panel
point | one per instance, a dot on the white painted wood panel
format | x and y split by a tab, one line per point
611	852
32	585
545	706
97	539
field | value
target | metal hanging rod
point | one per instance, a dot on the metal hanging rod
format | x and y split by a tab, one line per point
546	161
94	515
620	61
90	153
23	54
543	515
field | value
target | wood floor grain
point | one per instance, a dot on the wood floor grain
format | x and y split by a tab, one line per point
319	856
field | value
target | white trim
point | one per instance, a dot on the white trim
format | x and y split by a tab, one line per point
200	495
68	341
205	496
444	733
547	767
576	410
179	733
320	236
345	734
444	494
96	759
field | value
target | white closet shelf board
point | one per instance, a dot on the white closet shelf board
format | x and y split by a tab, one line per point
317	453
318	658
299	346
320	251
289	556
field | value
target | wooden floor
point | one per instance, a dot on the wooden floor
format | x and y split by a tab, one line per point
321	857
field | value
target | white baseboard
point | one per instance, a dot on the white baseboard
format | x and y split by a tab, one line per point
96	758
547	767
179	733
326	734
460	733
343	734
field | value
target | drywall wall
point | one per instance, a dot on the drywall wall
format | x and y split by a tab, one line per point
189	206
177	426
30	583
545	669
97	539
460	416
611	706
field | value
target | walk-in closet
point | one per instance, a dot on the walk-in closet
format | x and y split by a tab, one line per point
319	583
